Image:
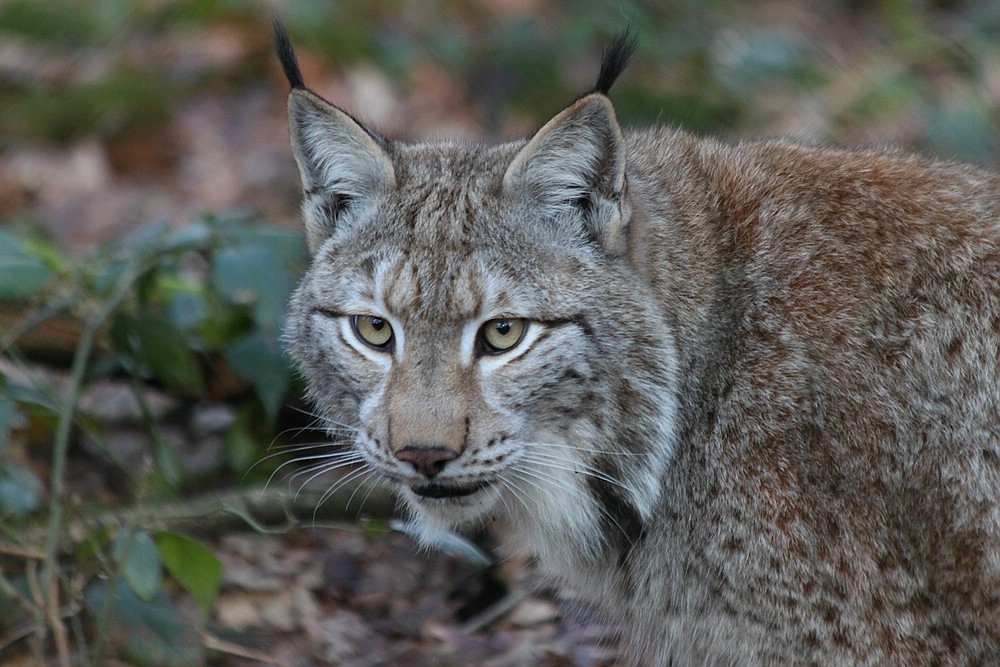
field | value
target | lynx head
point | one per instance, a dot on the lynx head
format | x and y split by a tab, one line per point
470	317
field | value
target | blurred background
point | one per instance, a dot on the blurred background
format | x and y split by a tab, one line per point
149	239
114	113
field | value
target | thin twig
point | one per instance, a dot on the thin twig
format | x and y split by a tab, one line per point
55	621
37	645
494	612
26	553
57	483
213	643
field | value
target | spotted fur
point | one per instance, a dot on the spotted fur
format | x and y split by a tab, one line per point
756	408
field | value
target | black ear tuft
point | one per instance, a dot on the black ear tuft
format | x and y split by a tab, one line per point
616	57
286	54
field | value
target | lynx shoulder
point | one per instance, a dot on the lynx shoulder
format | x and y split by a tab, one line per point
747	396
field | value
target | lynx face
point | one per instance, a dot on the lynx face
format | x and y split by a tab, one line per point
479	343
469	316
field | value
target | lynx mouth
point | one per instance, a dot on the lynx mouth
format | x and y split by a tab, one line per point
446	491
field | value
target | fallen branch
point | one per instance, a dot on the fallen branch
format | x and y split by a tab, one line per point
268	509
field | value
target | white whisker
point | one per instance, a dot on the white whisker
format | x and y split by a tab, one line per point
371	471
288	450
546	482
284	450
319	425
365	471
516	492
321	469
542	482
555	463
375	477
332	462
579	448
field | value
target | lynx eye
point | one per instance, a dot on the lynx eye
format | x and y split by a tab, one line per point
372	330
499	335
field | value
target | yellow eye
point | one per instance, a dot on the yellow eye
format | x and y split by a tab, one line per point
501	335
373	331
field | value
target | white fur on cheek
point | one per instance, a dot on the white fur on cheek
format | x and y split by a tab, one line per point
553	512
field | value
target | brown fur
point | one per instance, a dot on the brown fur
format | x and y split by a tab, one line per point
756	410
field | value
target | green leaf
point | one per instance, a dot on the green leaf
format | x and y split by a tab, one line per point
168	463
224	323
194	567
48	21
10	417
258	276
187	310
242	448
20	492
151	633
195	236
146	239
289	244
22	272
34	399
139	559
257	359
163	348
104	276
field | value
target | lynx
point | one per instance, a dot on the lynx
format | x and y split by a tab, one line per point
745	396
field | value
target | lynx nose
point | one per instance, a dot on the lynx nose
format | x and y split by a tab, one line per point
428	461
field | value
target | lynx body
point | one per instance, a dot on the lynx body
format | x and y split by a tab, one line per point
746	396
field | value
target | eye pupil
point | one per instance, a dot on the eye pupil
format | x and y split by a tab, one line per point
498	336
374	331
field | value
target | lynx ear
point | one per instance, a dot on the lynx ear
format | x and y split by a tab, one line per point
344	166
576	165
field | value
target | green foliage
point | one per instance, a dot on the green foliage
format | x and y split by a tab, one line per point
208	296
25	267
200	11
50	21
152	633
169	307
242	448
20	491
256	271
193	566
152	338
713	66
142	559
10	415
20	488
139	560
126	101
963	130
257	358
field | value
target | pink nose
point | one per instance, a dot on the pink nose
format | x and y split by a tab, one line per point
428	461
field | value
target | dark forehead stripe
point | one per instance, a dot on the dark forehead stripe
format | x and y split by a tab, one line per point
437	274
432	285
445	214
404	288
441	222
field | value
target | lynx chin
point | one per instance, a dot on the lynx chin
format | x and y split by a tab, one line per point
746	396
